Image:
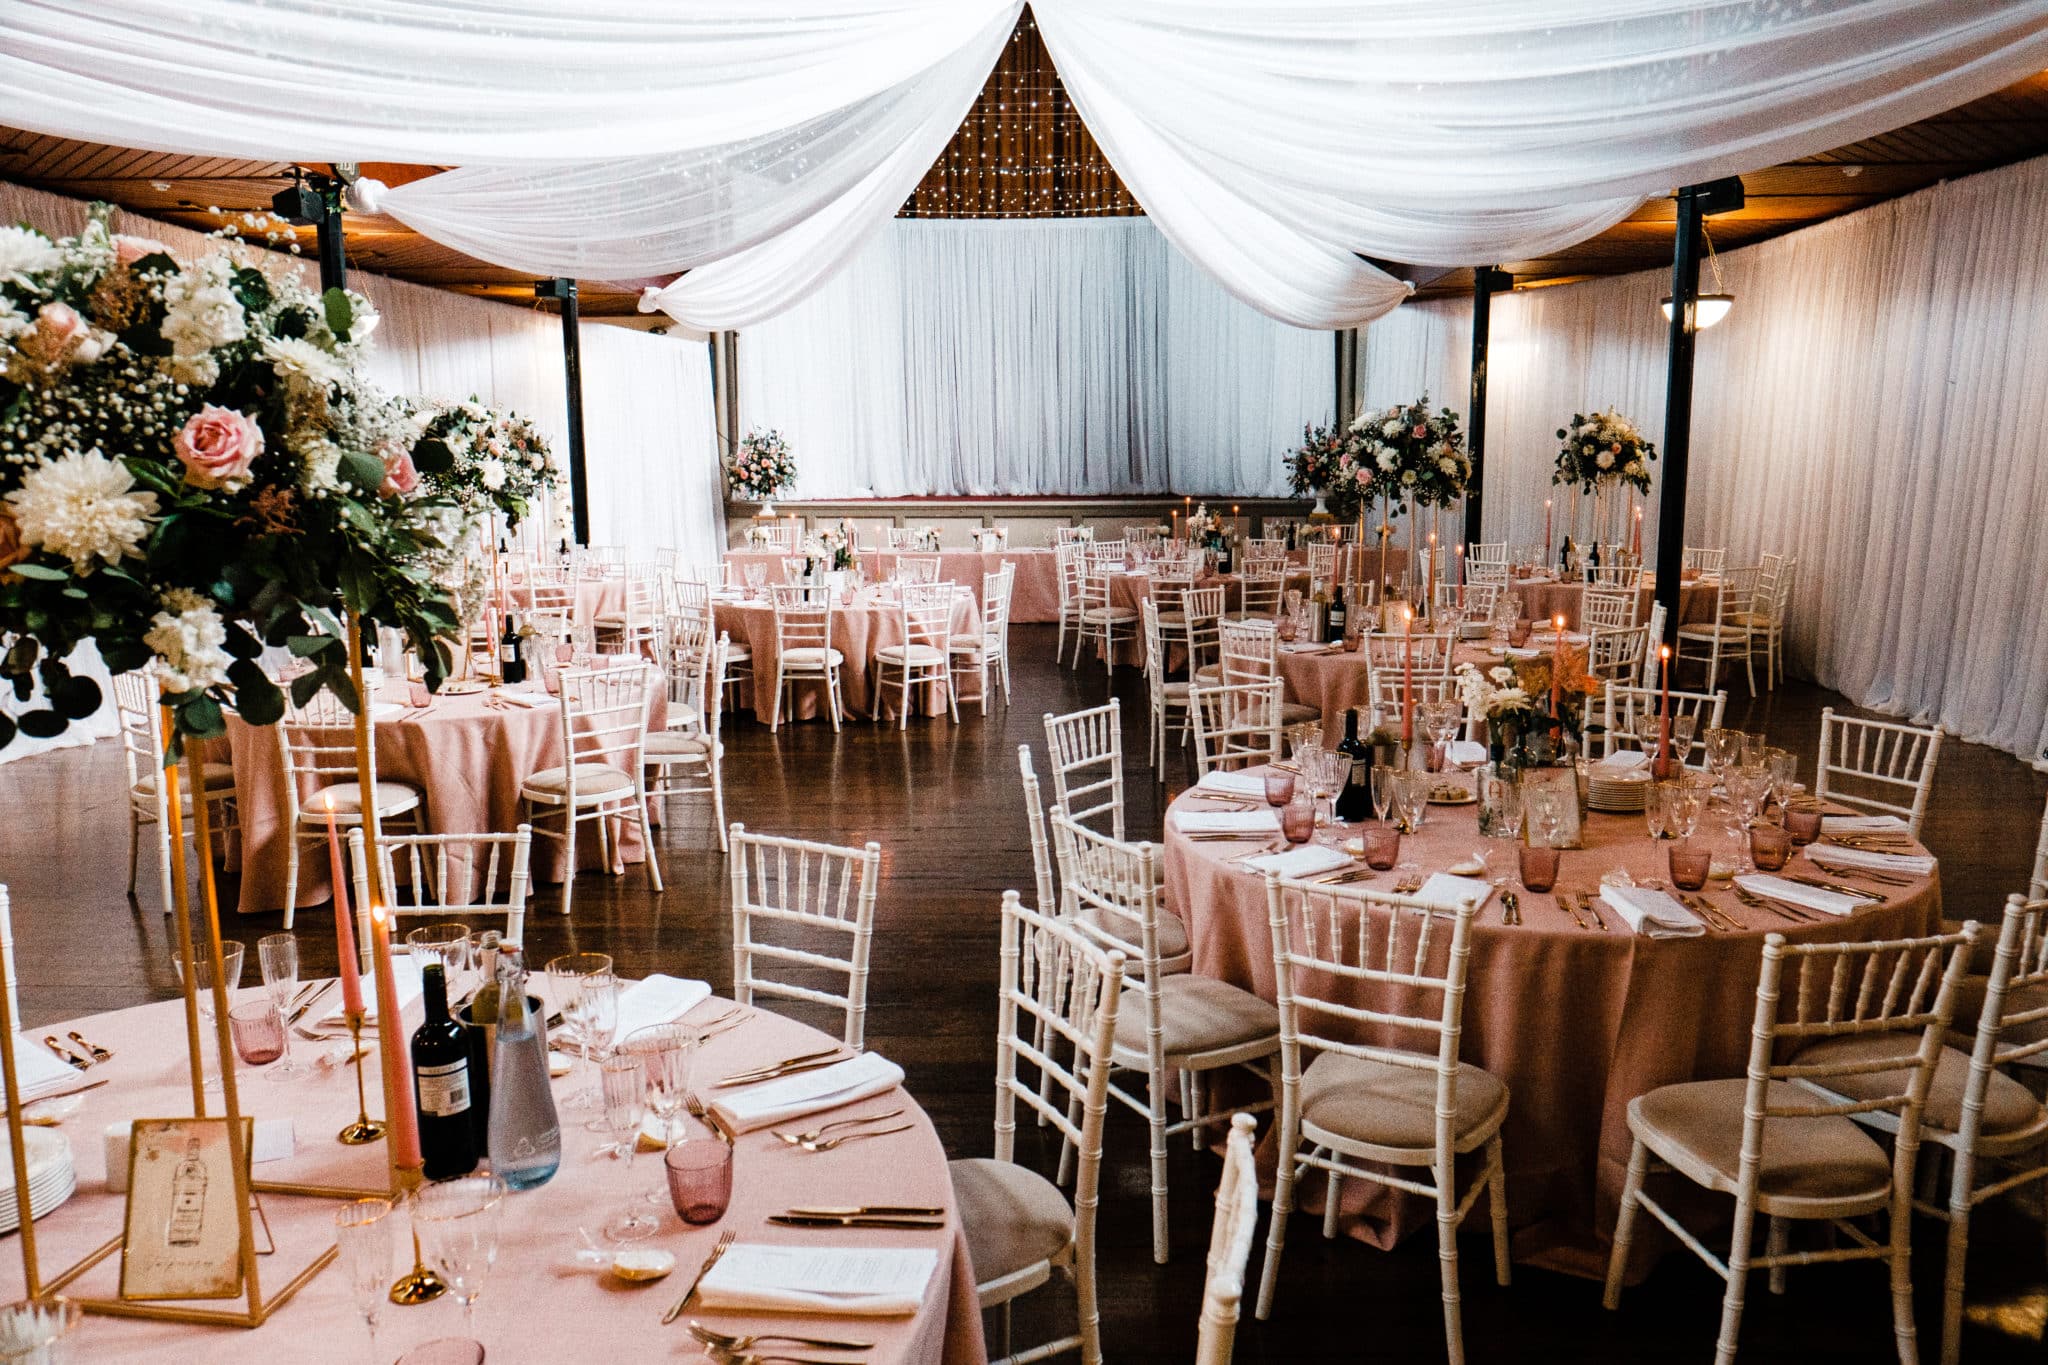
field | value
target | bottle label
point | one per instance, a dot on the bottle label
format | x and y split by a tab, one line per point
444	1089
1361	772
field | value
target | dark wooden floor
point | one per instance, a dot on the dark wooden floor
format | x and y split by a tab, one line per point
944	804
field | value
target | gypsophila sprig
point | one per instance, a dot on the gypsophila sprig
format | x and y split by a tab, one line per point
1602	449
193	466
761	467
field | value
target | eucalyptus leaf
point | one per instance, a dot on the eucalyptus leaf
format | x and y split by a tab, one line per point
76	698
6	731
41	572
341	314
257	698
200	716
43	724
364	471
305	687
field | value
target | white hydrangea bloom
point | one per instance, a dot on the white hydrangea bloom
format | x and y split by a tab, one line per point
1386	460
492	473
1392	427
1447	465
201	310
320	467
190	638
302	361
24	252
84	507
13	322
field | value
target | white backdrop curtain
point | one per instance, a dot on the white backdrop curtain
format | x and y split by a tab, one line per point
1031	357
1272	141
1872	405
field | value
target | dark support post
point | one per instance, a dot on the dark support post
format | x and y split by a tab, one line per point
1486	282
1695	202
564	292
1346	407
316	199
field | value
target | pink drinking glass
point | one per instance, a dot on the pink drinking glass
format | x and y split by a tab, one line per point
420	696
1382	847
1279	788
1769	847
258	1030
1298	822
1538	867
1690	863
1802	825
699	1179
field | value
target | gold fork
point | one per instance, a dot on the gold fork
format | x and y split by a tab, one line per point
718	1249
702	1113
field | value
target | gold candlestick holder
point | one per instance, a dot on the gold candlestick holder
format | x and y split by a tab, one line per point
364	1129
420	1284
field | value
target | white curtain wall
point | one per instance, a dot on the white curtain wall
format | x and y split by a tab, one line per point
1873	404
1051	357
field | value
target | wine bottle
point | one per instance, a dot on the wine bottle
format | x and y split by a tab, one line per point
1564	558
1333	631
1319	613
511	657
526	1136
441	1089
1354	802
1222	548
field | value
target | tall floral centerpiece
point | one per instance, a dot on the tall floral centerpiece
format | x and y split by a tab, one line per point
193	467
1415	456
1598	454
1321	466
761	467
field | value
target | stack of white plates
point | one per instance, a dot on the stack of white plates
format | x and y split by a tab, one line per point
51	1178
1617	795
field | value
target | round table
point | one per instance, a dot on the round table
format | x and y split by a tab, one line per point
1034	594
870	621
468	754
1334	679
1544	598
1577	1022
537	1305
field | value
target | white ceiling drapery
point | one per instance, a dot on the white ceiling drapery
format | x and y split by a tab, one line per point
1274	143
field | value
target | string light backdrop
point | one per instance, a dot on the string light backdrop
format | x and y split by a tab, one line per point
1022	151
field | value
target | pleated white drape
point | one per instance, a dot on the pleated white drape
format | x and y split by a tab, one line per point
1872	405
1036	357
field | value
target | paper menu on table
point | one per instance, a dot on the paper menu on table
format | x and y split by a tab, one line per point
1226	822
1234	784
871	1281
405	974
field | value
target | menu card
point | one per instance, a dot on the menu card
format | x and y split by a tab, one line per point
856	1280
1226	822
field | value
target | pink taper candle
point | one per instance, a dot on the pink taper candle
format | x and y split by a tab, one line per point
1636	546
344	921
403	1119
1461	577
1557	669
1407	677
1546	530
1663	769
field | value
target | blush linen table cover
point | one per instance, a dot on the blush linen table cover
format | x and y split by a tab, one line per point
1334	679
537	1305
1576	1022
872	621
1034	595
1544	598
468	756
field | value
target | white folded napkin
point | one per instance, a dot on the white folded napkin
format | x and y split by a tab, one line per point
1653	914
1465	752
1910	864
1307	647
405	974
1448	892
385	710
1234	784
1862	824
1622	764
858	1281
658	999
527	699
1299	862
38	1071
1799	893
807	1092
1226	821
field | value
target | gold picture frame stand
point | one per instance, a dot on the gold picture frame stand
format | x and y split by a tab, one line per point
256	1307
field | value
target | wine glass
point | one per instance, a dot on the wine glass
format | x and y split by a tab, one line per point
664	1052
457	1221
278	957
1784	769
364	1238
1382	790
447	943
231	975
1329	768
32	1331
1688	798
597	1028
1746	789
623	1079
566	975
1724	748
1681	739
1411	800
1440	719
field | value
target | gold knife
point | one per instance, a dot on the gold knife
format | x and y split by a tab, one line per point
790	1070
772	1067
858	1220
895	1210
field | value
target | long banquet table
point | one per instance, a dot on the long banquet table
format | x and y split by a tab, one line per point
1577	1022
537	1306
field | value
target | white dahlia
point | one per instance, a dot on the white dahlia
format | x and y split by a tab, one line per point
84	507
1386	460
300	360
492	473
1605	459
25	252
190	638
201	310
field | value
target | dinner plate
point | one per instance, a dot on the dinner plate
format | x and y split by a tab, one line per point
1443	795
461	687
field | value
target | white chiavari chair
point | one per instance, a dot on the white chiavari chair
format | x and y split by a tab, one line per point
1785	1150
1632	719
1487	552
1766	614
1068	562
924	614
804	652
1608	608
1259	595
7	955
1616	655
1384	690
1432	652
1615	572
1086	751
1167	698
1201	631
613	555
547	596
317	745
1178	1021
1474	599
1705	561
1345	958
1114	553
603	781
689	760
1236	726
1322	565
904	538
453	876
1230	1247
1249	651
142	751
919	569
1724	639
693	598
2038	889
1974	1111
986	655
1101	619
1888	767
1072	535
1271	546
1047	899
631	629
1052	984
1168	592
793	902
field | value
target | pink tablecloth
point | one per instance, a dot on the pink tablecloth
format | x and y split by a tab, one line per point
1335	680
468	757
1034	595
1543	599
1576	1022
857	632
536	1305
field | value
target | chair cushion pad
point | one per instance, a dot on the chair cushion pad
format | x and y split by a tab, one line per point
676	744
1198	1014
592	780
1296	713
911	654
219	777
2008	1105
393	798
1393	1106
812	656
1014	1218
1697	1126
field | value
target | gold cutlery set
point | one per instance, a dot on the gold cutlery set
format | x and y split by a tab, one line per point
788	1066
79	1052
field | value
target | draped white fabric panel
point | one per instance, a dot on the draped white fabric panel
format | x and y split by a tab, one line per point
1053	357
1872	405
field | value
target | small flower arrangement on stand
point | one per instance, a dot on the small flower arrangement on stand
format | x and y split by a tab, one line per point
1202	523
835	542
761	467
1601	454
1319	466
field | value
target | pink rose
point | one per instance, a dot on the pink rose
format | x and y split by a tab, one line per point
217	447
1420	431
400	476
129	250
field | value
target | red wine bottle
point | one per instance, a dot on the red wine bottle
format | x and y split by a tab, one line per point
440	1069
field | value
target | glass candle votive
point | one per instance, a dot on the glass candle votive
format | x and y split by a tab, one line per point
699	1179
1690	863
1518	633
1279	788
1538	867
1769	847
257	1027
1382	847
1802	825
1298	821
